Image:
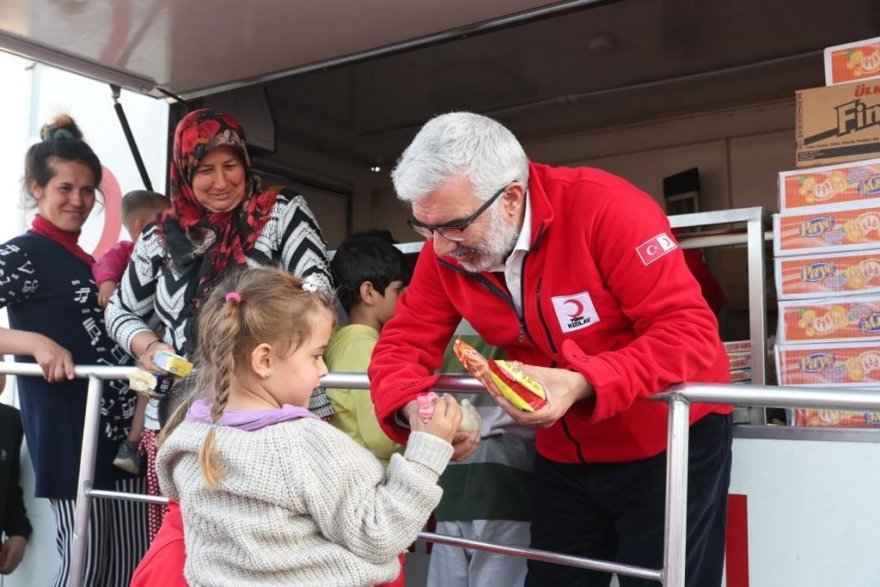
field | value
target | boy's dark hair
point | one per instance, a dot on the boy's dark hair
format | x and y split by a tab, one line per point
367	256
137	200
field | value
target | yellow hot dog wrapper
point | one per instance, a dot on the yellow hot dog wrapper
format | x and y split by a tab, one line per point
501	378
517	387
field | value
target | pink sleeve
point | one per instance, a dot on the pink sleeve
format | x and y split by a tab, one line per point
111	266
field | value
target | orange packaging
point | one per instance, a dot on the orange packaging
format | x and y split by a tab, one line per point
843	365
836	419
741	375
847	183
818	276
826	229
739	361
847	319
738	346
852	62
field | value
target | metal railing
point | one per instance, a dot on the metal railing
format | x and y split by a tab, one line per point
678	397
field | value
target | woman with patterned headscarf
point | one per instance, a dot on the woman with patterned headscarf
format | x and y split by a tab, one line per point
220	220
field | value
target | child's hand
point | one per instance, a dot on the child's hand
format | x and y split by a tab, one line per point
105	292
445	421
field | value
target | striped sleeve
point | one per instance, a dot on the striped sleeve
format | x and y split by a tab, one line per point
298	244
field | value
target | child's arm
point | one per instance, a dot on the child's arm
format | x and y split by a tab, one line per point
134	300
341	486
56	361
105	292
109	269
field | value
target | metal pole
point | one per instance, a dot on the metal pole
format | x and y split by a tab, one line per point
546	556
91	425
675	544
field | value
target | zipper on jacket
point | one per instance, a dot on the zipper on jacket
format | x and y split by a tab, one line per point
543	320
562	422
504	295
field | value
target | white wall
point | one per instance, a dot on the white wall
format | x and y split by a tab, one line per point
31	96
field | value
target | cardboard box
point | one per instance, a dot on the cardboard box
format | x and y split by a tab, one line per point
826	229
839	365
739	361
848	319
846	184
835	419
741	375
852	62
817	276
836	124
738	346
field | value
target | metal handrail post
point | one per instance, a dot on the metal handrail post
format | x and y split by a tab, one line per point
91	425
675	530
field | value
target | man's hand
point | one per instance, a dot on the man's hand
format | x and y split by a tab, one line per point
11	553
563	388
464	444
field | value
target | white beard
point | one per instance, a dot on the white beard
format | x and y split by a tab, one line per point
497	243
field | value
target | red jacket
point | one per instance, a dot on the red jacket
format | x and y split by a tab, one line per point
605	292
163	564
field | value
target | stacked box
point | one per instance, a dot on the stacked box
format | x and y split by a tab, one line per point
827	238
852	62
817	276
740	358
834	320
831	184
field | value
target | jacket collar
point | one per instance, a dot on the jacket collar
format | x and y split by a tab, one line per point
542	210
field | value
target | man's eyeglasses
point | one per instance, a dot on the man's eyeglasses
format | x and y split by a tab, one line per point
454	229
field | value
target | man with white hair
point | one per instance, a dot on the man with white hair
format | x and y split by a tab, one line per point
573	272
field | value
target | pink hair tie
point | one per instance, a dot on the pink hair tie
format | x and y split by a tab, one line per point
233	297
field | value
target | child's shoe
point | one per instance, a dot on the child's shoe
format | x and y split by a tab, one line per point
128	458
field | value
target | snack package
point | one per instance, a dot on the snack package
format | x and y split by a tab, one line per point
846	184
502	378
835	419
825	230
174	364
150	384
839	365
839	319
156	384
851	62
815	276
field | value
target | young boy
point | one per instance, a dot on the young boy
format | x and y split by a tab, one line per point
139	208
370	273
15	528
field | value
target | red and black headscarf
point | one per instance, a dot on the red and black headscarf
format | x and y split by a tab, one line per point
205	245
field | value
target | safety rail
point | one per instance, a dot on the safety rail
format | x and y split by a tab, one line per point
679	398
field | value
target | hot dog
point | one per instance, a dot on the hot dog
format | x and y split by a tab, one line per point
502	378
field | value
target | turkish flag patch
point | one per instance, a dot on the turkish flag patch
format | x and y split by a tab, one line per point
652	249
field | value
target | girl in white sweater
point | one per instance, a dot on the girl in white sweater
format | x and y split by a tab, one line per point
270	494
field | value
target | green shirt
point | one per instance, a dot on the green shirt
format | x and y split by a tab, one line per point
349	351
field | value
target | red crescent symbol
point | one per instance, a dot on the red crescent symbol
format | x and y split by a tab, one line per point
579	308
112	213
